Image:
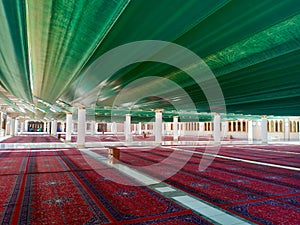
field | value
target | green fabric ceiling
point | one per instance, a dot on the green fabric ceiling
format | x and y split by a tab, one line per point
62	37
252	47
14	59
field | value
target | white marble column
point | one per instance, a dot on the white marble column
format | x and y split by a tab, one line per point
49	128
264	129
286	129
114	128
183	131
201	128
224	128
93	128
26	126
7	126
299	130
45	127
54	131
140	128
175	128
146	128
22	127
16	126
12	127
68	126
73	127
62	126
158	126
127	128
217	128
96	128
1	121
250	130
81	127
135	128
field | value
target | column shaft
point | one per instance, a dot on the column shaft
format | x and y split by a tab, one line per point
81	127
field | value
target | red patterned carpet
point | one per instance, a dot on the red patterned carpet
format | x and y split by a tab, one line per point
31	139
121	138
262	194
60	187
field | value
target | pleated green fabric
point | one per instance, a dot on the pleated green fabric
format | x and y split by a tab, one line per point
63	34
252	48
14	59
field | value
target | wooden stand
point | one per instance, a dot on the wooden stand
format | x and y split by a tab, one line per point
113	155
229	137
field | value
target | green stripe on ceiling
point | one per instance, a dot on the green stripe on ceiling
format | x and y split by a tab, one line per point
236	21
278	40
63	36
146	20
14	67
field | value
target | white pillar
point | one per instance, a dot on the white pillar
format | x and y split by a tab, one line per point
224	128
54	130
49	127
114	128
158	126
298	131
139	128
92	128
96	128
81	127
201	128
153	127
264	129
26	125
45	127
22	127
217	128
7	125
16	126
51	131
12	127
68	126
62	126
127	128
175	128
183	128
250	130
286	129
134	128
1	119
146	128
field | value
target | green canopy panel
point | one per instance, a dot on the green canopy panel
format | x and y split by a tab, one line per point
14	59
252	48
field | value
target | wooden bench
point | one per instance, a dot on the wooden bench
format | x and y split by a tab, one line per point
229	137
113	155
